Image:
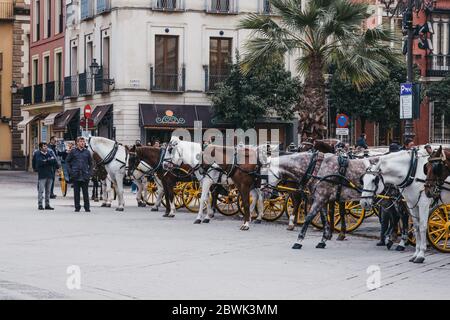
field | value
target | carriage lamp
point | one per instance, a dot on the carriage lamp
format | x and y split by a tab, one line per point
14	87
94	67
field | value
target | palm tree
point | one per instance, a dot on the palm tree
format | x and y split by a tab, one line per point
328	34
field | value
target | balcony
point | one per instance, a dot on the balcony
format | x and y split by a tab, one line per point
212	79
438	65
168	82
103	6
6	10
87	9
71	86
222	6
102	82
43	93
168	5
85	84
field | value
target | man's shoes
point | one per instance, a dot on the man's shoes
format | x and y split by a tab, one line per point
40	208
49	208
381	243
77	210
87	210
53	196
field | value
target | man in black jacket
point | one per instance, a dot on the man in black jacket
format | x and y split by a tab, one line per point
79	163
44	163
52	148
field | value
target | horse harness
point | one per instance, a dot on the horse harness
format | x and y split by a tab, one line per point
111	155
147	169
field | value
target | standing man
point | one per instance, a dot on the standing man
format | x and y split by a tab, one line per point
44	162
52	149
408	144
79	163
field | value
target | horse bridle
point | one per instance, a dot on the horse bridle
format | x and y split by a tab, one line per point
437	166
150	171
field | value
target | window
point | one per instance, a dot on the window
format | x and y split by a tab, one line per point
441	125
87	9
166	63
222	6
219	60
74	61
58	74
46	75
266	7
167	4
37	19
59	17
34	72
48	16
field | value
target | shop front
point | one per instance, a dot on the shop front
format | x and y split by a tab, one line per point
67	125
158	121
102	120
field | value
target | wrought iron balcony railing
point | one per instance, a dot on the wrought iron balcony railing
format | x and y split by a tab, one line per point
222	6
167	81
43	93
6	10
71	86
85	84
169	5
102	81
438	65
212	79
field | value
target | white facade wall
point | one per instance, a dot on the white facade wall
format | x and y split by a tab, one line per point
132	26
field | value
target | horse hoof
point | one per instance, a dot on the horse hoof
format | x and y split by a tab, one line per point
297	246
412	259
257	221
389	244
206	221
400	248
341	237
198	221
154	209
419	260
321	245
290	228
120	209
245	228
108	205
103	205
170	216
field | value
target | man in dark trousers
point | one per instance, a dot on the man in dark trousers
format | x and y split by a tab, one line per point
79	163
44	163
52	148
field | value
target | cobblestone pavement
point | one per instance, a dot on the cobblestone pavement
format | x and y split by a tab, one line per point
140	255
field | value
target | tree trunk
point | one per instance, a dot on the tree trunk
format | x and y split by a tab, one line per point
311	107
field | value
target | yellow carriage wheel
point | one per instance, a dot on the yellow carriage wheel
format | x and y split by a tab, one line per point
151	193
274	208
228	205
438	231
301	214
63	183
354	216
178	196
411	234
191	194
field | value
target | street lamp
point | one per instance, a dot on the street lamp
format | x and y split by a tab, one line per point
94	67
14	87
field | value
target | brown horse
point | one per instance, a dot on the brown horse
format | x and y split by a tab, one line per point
240	165
100	180
437	170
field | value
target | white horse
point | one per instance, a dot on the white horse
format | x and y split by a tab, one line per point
398	169
115	158
190	153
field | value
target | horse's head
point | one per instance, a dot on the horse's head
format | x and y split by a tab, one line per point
173	155
372	183
306	145
133	160
436	171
